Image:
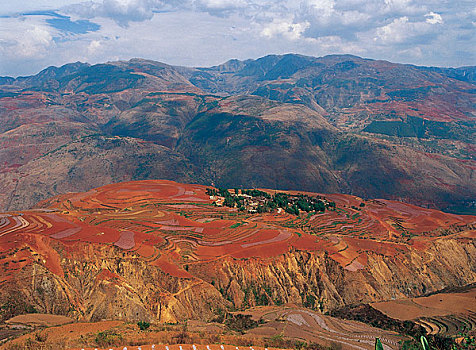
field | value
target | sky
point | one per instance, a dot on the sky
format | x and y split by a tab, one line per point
35	34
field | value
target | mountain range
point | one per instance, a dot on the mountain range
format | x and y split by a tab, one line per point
334	124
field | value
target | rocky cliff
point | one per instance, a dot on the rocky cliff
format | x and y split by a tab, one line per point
106	283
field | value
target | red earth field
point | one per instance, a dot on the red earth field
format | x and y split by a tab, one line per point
171	224
443	313
178	347
292	322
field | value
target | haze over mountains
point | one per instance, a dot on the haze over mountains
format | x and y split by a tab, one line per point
333	124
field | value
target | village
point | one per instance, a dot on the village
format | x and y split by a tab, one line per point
257	201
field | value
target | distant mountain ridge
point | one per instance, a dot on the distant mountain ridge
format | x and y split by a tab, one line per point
337	123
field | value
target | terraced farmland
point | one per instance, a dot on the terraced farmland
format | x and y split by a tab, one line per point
170	225
162	251
314	327
446	314
277	325
449	325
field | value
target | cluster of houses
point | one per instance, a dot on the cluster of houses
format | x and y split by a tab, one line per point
251	203
263	202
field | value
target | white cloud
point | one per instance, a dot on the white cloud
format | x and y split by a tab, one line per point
121	11
333	44
397	3
353	17
93	47
434	18
285	28
393	32
415	52
222	4
407	7
14	7
323	8
207	32
35	42
401	30
25	39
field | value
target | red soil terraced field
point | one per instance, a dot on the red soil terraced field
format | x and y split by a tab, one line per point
39	320
317	328
179	347
170	225
442	313
289	323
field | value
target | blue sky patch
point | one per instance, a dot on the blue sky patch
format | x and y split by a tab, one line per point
44	13
65	24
